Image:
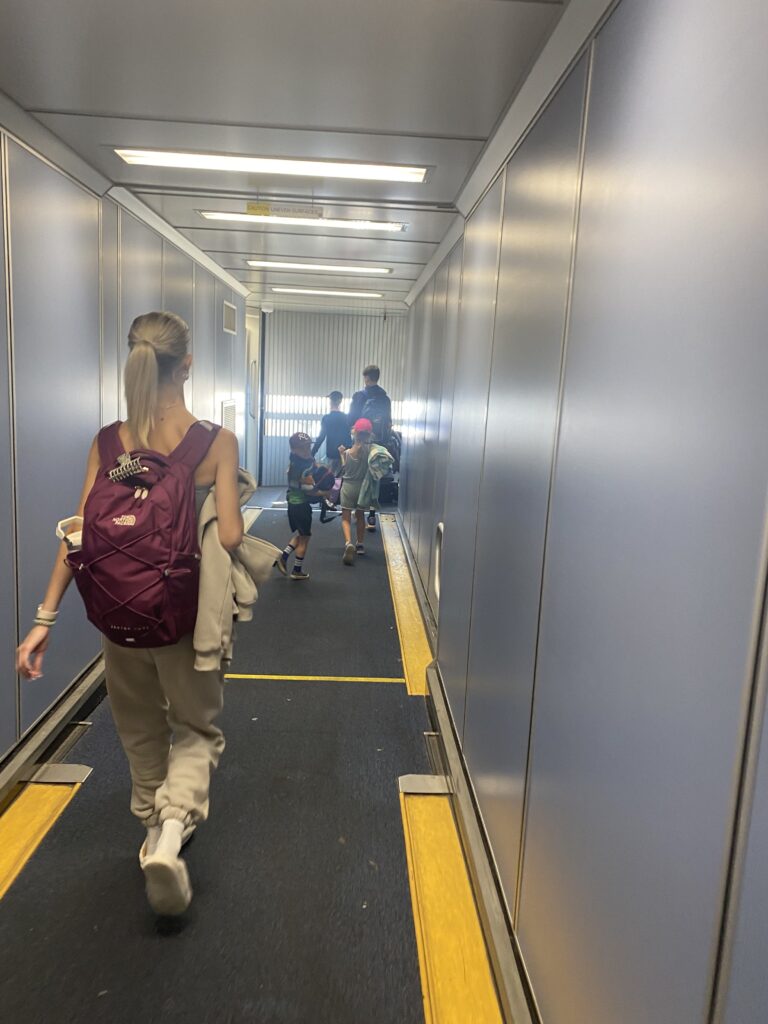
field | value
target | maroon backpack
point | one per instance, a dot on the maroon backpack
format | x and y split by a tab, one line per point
139	566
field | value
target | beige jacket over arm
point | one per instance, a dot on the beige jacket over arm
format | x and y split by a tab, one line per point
228	582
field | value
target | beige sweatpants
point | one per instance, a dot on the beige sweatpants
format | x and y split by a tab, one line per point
164	712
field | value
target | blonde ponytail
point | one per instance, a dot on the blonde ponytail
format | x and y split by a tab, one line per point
141	380
158	343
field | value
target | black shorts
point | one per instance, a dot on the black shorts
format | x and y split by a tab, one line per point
300	518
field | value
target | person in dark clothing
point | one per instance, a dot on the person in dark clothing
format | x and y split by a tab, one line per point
334	431
372	403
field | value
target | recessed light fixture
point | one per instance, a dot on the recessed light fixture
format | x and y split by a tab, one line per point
323	291
269	165
327	268
312	222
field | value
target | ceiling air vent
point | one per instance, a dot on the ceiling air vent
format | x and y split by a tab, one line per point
230	318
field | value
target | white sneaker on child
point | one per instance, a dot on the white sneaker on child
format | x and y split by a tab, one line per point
167	880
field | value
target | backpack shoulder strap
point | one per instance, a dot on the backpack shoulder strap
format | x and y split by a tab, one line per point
194	447
110	445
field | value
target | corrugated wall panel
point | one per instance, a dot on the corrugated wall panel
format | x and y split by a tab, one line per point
309	354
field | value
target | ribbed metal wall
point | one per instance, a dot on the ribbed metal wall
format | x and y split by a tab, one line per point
309	354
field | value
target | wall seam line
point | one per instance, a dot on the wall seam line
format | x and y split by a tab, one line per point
744	791
502	203
5	185
553	470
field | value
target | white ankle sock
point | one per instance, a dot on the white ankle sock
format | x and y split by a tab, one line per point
169	844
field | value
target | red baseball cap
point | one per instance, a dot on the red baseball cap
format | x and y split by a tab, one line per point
363	426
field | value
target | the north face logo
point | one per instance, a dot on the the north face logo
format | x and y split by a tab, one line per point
124	520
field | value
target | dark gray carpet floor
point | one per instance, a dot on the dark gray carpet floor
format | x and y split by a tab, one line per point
340	621
302	911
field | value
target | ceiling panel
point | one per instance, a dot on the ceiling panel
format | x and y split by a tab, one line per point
214	240
184	212
95	139
421	67
405	273
266	279
416	82
374	307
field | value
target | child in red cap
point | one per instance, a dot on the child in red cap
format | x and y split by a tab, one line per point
354	469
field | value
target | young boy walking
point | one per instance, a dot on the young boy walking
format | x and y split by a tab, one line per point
301	491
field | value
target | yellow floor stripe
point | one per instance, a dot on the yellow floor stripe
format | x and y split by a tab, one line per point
456	980
24	825
414	644
324	679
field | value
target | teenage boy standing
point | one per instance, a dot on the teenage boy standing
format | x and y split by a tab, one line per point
334	430
372	403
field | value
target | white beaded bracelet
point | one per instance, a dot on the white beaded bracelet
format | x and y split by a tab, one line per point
45	618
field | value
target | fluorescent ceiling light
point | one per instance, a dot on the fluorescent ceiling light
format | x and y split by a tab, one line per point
312	222
267	165
275	264
322	291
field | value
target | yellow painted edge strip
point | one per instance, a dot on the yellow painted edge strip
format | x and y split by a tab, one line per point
456	977
324	679
25	824
417	921
414	645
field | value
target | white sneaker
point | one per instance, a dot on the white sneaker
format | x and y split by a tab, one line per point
167	880
168	887
349	554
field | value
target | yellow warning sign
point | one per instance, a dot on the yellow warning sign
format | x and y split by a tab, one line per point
263	209
258	209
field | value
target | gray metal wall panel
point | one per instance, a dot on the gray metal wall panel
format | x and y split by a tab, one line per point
54	223
747	998
141	279
203	347
110	315
223	352
404	503
239	372
657	516
408	498
478	302
435	353
8	680
178	283
309	354
179	295
450	343
419	456
537	236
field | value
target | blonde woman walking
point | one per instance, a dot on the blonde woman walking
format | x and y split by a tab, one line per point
155	469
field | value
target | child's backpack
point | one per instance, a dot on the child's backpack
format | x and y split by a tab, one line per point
394	444
139	565
324	479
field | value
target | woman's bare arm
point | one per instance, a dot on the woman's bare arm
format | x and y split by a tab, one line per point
29	655
229	516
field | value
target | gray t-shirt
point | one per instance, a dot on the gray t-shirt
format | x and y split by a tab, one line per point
356	468
201	493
